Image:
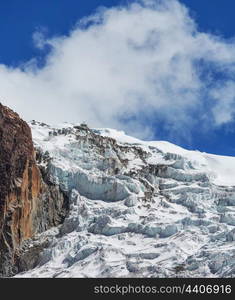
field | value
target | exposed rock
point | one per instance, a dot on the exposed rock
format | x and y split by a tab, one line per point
28	205
28	256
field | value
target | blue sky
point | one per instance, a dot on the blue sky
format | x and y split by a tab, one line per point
20	20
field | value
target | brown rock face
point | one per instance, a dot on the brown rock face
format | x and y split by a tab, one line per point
27	204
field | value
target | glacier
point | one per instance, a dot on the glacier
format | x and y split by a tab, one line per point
136	208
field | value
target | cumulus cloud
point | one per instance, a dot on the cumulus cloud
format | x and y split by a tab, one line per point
128	67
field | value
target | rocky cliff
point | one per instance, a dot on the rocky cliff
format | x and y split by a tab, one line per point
28	204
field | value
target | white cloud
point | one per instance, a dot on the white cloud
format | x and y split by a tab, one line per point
123	66
224	109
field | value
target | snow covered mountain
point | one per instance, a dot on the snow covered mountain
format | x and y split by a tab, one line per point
136	208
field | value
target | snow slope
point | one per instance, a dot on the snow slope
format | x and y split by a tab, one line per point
220	168
137	209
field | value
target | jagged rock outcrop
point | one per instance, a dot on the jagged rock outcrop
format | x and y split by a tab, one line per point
28	205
